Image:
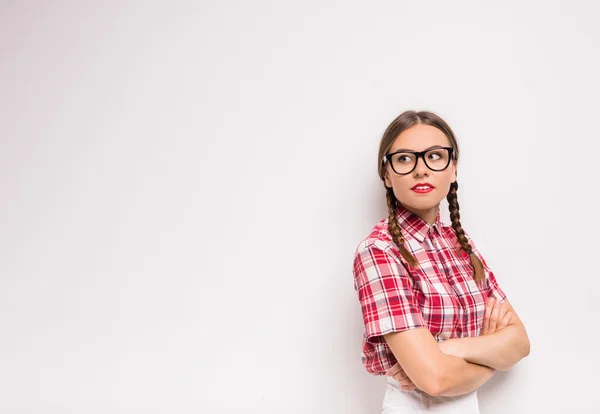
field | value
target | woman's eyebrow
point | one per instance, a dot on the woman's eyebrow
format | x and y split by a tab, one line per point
406	149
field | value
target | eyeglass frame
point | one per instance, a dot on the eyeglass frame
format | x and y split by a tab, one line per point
419	154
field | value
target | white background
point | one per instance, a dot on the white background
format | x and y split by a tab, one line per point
184	184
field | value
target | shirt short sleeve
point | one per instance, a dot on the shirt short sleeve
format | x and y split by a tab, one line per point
385	293
491	287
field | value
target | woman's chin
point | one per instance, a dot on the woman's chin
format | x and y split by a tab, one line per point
421	204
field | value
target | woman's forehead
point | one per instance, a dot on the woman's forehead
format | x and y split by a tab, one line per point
420	137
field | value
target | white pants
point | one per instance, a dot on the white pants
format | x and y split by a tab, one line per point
396	401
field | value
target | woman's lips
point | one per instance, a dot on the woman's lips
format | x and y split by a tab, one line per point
422	188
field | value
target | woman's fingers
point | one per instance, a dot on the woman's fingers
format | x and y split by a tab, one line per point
494	317
505	320
393	370
401	376
486	318
405	382
501	316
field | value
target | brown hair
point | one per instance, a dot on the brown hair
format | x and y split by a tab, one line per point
403	122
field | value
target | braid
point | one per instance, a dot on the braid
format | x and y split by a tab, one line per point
394	228
452	198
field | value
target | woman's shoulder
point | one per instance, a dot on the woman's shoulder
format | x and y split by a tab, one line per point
379	237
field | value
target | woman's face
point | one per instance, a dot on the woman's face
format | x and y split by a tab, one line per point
419	138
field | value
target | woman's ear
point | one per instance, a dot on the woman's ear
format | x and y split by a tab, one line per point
386	175
454	171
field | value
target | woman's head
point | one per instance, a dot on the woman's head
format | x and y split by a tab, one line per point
401	169
417	162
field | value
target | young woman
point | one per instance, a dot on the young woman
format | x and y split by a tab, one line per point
436	321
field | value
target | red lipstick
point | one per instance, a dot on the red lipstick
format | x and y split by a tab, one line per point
422	188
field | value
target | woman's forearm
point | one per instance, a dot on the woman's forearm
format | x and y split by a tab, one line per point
500	350
461	377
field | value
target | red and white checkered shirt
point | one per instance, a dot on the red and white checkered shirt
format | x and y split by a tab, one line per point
440	294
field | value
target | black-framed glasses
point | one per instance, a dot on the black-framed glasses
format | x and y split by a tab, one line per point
404	162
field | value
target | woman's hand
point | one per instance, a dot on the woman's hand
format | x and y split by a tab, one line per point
495	318
398	374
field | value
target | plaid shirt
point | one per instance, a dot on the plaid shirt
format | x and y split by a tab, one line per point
440	294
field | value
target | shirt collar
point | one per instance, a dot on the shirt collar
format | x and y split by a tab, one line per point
414	225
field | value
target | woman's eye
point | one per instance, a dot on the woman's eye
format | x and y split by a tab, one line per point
404	158
435	156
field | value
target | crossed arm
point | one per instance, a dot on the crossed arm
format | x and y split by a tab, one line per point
458	366
500	349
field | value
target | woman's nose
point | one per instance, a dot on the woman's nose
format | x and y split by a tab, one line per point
421	168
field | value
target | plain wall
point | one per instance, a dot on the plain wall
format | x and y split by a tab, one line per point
184	184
